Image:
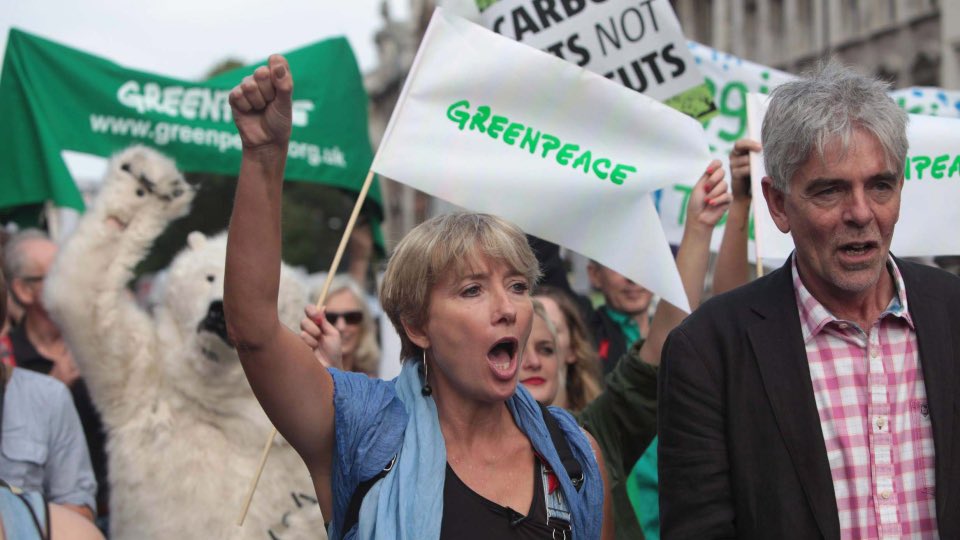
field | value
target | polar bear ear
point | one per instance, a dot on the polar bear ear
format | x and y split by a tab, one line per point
196	240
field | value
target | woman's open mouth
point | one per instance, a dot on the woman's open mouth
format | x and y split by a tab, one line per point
503	358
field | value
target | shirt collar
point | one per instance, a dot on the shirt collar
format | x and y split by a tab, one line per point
627	324
814	316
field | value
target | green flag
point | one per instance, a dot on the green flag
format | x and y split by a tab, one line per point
55	98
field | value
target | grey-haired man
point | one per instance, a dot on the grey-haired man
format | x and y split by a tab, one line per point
818	401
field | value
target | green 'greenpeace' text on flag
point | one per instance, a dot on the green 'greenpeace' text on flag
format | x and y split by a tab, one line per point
458	132
568	154
55	98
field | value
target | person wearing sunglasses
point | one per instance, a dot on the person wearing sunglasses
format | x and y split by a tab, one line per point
347	311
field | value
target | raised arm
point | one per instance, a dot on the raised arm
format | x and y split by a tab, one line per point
706	206
624	418
732	268
86	290
294	389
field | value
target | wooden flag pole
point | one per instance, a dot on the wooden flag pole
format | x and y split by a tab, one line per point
344	240
323	296
755	172
756	239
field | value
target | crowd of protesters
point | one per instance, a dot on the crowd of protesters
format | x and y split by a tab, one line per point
814	402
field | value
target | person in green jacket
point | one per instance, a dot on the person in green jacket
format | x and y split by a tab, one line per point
623	418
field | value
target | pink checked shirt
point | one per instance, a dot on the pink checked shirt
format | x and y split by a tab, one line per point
873	412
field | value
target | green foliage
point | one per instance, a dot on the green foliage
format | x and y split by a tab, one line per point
313	219
484	4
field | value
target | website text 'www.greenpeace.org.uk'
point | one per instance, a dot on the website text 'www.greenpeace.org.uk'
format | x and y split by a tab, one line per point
164	133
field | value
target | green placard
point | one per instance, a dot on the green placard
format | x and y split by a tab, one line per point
55	98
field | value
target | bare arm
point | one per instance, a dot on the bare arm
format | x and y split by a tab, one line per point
65	523
706	206
294	389
732	269
84	510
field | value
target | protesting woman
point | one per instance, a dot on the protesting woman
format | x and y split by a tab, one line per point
466	454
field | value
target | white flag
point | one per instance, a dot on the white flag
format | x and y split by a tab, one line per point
499	127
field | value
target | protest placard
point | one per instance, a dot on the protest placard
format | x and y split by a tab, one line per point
638	44
928	101
55	98
561	152
730	79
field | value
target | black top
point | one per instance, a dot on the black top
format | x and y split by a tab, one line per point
27	357
467	515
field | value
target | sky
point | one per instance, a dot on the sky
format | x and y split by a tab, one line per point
186	38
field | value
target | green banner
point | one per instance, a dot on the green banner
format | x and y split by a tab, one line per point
55	98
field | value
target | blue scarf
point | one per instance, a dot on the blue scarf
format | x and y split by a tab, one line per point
407	504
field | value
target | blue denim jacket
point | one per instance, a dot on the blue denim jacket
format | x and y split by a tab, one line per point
370	423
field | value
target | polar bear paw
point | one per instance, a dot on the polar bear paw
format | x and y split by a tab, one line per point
143	182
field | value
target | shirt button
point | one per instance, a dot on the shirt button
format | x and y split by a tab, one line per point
885	494
881	421
874	353
843	326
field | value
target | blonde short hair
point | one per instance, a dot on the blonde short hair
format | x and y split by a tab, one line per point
437	247
366	359
541	312
584	380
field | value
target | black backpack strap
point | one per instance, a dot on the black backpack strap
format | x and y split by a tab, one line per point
353	509
570	463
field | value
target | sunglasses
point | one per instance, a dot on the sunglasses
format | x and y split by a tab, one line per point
349	317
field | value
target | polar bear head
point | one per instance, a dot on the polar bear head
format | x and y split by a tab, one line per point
207	366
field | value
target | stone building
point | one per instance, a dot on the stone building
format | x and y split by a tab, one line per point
907	42
397	43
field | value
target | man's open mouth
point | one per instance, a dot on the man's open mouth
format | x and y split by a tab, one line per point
858	248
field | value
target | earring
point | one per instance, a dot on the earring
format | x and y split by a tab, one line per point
426	390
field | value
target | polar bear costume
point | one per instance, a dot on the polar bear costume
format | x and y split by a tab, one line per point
185	432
